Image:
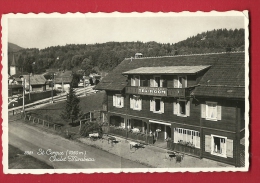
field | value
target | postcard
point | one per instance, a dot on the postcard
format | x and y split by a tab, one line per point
125	92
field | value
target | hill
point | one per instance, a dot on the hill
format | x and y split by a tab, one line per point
106	56
13	47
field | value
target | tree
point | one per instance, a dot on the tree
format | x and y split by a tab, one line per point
72	110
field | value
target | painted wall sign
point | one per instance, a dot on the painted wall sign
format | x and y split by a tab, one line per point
152	91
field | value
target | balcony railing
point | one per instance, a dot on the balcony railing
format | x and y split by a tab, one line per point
158	91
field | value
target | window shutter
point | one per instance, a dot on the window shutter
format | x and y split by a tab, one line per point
188	108
131	103
162	106
114	100
151	82
175	82
137	81
140	103
122	101
207	143
175	135
132	81
219	112
184	82
161	82
197	140
151	105
175	108
229	148
203	110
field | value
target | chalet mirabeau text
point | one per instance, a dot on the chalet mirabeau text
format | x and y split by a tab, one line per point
152	91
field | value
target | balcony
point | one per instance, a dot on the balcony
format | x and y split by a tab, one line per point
158	91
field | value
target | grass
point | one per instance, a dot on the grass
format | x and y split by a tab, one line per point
53	111
17	160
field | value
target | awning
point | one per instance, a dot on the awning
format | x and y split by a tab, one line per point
152	121
168	70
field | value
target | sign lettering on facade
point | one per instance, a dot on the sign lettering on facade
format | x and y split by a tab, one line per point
152	91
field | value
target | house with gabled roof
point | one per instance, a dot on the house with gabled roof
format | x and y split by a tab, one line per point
193	104
36	82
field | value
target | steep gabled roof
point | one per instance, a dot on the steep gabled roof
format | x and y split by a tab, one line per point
13	63
227	69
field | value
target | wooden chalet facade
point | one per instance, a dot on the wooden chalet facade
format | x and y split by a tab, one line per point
194	104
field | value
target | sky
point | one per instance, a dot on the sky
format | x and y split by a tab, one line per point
42	32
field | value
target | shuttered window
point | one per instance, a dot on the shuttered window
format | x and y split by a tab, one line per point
221	146
136	103
118	101
157	105
211	111
181	108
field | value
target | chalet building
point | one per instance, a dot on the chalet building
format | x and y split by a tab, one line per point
193	104
35	82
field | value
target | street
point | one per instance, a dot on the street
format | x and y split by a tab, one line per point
55	150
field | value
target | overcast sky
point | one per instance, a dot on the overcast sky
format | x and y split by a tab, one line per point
45	32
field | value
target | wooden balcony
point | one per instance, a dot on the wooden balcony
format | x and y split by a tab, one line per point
158	91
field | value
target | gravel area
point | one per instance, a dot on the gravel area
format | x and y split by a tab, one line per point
149	155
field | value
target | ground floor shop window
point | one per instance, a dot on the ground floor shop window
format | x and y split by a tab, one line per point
219	146
187	137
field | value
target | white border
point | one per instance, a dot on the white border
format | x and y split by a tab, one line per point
4	23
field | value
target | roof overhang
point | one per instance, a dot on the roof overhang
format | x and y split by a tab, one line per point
168	70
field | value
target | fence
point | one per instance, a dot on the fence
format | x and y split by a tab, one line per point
42	122
144	138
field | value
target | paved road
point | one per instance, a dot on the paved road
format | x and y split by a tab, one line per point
29	138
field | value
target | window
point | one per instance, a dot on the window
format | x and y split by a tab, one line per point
118	101
135	80
211	111
136	103
219	146
187	136
157	81
157	105
181	108
180	81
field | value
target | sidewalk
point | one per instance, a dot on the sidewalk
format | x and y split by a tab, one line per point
150	155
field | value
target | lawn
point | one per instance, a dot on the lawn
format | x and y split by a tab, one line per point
51	112
17	160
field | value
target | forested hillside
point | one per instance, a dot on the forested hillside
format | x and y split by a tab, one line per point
106	56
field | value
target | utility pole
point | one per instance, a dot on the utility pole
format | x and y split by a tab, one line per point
29	86
84	77
52	88
23	93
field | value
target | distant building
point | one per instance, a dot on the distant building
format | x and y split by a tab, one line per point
138	55
35	82
13	67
